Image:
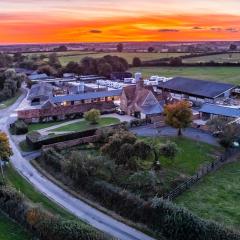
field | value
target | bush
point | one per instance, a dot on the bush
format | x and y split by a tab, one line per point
19	127
42	223
92	116
169	149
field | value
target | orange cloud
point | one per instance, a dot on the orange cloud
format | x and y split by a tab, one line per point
36	29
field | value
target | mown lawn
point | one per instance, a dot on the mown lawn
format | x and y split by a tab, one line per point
191	155
218	74
18	182
84	125
38	126
217	196
10	230
9	102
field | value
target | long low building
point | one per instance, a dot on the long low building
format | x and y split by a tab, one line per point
89	97
196	90
209	111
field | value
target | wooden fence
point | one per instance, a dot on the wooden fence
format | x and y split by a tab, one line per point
203	171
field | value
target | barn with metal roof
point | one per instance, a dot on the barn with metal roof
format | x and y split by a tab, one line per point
197	89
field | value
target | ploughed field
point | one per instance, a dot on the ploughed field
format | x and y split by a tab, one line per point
217	74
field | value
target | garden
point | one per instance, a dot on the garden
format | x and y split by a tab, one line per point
125	173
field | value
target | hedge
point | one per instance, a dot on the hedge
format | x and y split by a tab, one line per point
42	223
36	141
173	222
19	127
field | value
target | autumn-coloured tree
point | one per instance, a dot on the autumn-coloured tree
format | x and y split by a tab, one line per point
5	150
178	115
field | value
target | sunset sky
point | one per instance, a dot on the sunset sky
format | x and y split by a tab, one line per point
42	21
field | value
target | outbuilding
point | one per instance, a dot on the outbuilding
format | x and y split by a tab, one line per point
196	90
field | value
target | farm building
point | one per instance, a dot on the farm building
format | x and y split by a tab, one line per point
140	101
196	90
39	93
209	111
70	106
89	97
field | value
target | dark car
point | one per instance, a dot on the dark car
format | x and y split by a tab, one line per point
120	112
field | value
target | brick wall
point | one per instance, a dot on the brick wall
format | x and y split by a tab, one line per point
72	143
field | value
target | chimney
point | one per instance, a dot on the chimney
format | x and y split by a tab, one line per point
139	81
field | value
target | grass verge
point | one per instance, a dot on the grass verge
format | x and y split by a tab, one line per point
10	230
10	101
18	182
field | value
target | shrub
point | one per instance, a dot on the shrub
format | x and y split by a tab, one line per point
19	127
53	158
169	149
92	116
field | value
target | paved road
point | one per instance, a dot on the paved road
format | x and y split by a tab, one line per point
85	212
195	134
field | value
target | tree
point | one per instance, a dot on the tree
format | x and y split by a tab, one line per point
142	150
233	47
92	116
5	150
178	115
169	150
150	49
136	62
104	69
54	61
177	61
73	67
230	134
119	47
47	69
217	124
124	154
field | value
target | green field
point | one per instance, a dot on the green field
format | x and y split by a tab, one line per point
10	230
128	56
10	101
84	125
217	196
220	58
218	74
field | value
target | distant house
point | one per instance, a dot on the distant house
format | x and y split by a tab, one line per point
209	111
196	90
140	101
